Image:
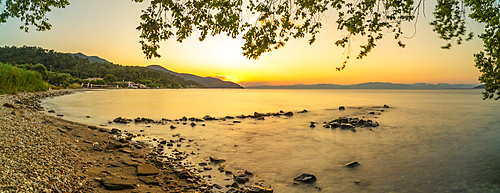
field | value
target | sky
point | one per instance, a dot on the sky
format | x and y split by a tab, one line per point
107	29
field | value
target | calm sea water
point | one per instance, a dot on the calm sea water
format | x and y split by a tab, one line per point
427	141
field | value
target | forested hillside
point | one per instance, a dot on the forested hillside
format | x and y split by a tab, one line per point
82	68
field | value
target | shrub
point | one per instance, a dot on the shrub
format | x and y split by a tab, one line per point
13	80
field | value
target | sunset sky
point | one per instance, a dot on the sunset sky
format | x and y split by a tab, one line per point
107	29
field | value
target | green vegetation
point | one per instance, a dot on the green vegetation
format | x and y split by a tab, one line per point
13	80
65	68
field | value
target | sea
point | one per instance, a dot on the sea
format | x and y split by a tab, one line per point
426	141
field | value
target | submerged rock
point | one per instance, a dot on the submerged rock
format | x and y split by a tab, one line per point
305	178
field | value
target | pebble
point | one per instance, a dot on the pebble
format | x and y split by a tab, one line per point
32	158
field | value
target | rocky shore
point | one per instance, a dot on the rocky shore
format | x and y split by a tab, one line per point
42	153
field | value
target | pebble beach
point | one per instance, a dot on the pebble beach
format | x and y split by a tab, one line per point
44	153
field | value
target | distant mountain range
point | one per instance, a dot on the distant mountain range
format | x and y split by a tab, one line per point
209	82
92	59
371	85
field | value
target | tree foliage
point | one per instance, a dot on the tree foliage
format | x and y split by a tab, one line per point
82	68
30	12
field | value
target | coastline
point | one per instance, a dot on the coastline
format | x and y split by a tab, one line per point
43	153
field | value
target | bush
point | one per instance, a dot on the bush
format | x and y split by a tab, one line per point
13	80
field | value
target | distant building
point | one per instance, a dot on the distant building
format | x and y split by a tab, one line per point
131	84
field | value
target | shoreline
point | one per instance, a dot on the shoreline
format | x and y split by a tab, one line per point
43	153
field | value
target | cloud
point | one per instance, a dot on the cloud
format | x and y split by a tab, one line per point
221	77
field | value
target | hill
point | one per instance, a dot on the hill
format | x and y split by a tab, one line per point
209	82
79	66
92	59
370	85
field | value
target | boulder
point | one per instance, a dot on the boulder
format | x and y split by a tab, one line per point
341	108
385	106
114	184
147	169
255	114
305	178
288	114
51	111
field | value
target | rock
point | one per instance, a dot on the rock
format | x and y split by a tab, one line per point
51	111
114	146
114	131
288	114
216	160
172	127
114	184
385	106
218	186
312	125
147	169
236	121
193	124
183	174
303	111
372	113
259	189
150	180
130	162
61	130
59	115
346	126
352	164
255	114
341	108
305	178
240	179
9	106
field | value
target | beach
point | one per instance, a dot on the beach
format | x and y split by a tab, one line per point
43	153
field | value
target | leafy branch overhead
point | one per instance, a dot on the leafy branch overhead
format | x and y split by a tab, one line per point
30	12
269	24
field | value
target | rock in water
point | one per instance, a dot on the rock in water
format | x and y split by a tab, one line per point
259	189
305	178
352	164
113	184
146	169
